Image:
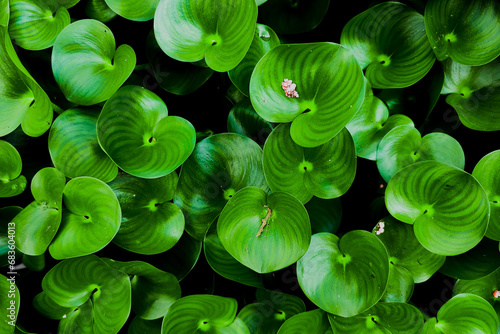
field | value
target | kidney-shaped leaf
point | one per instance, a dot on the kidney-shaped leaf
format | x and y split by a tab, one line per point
326	171
86	65
467	31
219	166
389	40
448	208
151	224
265	233
329	89
90	221
12	183
74	149
464	313
219	32
344	276
486	172
99	295
134	129
38	223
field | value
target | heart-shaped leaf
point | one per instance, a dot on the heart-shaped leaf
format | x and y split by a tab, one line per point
264	40
151	224
486	172
200	312
312	322
474	92
389	40
253	225
326	171
9	303
341	277
371	123
293	17
448	208
134	128
220	165
153	290
479	262
382	318
219	33
244	120
454	30
464	313
252	213
403	146
86	65
90	221
35	24
405	251
133	10
325	214
329	89
38	223
99	295
99	10
12	183
175	77
74	149
226	265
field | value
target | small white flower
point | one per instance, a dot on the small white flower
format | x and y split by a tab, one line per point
379	228
289	88
496	293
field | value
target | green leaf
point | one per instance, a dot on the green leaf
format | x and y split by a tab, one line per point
406	252
486	172
153	290
99	294
264	40
325	214
12	183
341	277
448	208
224	263
474	92
403	146
199	313
35	263
38	223
7	240
151	224
67	3
74	149
326	171
220	165
99	10
464	313
49	308
312	322
400	285
483	287
174	76
90	221
371	123
141	326
466	31
253	225
35	24
329	85
133	10
293	17
480	261
244	120
389	40
134	127
381	318
86	65
9	303
219	33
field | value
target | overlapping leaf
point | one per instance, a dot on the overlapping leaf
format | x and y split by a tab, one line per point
86	65
12	183
99	10
9	303
329	85
448	208
133	10
326	171
312	322
244	120
389	40
135	131
218	32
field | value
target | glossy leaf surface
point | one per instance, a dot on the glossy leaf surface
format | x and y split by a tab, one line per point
12	183
133	10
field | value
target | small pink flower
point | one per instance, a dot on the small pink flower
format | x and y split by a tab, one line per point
379	228
496	293
289	88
